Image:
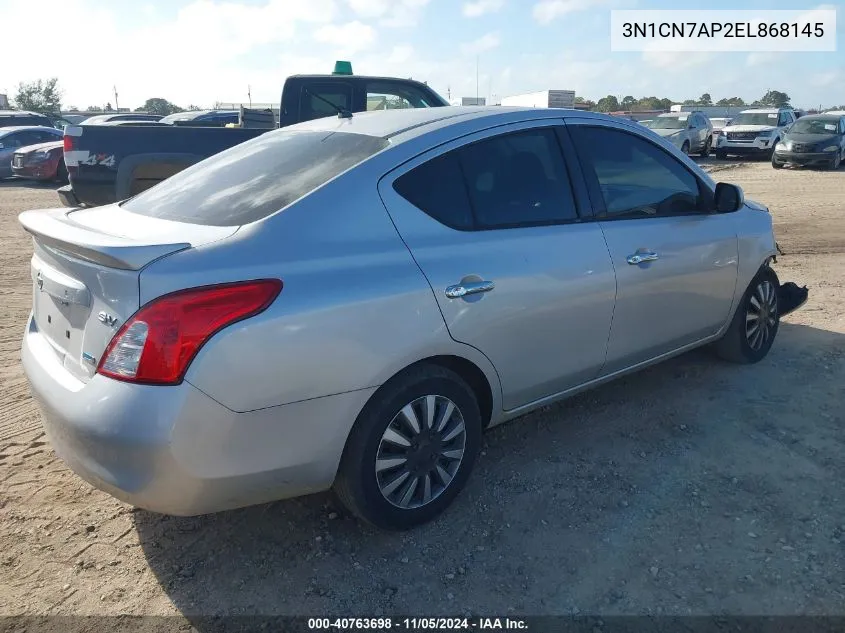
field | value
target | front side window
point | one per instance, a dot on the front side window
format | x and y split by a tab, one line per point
255	179
511	180
634	177
785	119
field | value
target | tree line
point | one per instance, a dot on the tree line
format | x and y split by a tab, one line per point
611	103
45	96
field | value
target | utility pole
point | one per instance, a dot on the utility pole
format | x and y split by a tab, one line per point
116	106
249	94
476	80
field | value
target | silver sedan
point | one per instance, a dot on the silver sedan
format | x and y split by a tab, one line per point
350	303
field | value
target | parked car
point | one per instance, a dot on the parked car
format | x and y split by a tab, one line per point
754	132
13	138
210	118
350	302
21	118
100	119
813	140
719	124
691	132
44	161
109	163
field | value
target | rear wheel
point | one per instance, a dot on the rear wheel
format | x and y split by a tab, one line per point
685	148
411	449
708	144
755	324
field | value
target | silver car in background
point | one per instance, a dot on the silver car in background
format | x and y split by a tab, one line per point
349	303
690	132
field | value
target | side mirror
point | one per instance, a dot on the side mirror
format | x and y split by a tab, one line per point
728	198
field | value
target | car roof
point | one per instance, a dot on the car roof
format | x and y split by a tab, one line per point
764	110
13	113
403	124
22	128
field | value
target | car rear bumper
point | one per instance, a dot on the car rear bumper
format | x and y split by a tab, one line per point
175	450
817	158
68	197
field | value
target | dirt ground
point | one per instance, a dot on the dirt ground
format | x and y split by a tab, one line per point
695	487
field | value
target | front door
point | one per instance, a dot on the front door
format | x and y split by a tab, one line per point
676	261
492	223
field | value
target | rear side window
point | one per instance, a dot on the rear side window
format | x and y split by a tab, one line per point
437	187
507	181
254	179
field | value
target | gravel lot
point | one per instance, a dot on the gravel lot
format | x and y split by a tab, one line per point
693	487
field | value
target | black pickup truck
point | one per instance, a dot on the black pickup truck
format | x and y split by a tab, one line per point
109	163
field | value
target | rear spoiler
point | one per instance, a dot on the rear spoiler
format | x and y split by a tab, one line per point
53	229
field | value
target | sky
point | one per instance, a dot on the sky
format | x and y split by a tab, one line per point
197	52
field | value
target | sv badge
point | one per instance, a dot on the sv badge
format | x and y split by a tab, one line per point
108	319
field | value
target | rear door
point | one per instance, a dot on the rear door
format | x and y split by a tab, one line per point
493	223
676	261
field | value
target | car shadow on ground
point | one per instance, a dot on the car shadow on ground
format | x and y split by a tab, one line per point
624	499
29	184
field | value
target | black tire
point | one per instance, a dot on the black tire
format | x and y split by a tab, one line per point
735	345
837	161
61	172
708	144
357	485
776	164
721	155
685	148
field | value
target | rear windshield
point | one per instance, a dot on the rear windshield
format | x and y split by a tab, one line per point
254	179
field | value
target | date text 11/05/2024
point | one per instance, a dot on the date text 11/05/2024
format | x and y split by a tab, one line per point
416	624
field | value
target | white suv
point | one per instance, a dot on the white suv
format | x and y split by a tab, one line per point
754	132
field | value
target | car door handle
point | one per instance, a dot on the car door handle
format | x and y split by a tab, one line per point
645	256
470	288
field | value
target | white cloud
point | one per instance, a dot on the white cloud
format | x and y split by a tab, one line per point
480	7
484	43
390	13
673	63
347	39
549	10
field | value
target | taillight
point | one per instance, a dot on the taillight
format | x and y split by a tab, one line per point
67	142
157	344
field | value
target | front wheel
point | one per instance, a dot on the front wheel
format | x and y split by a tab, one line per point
837	161
411	449
752	331
776	164
685	148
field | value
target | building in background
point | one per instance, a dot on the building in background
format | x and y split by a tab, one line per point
542	99
713	111
4	102
468	101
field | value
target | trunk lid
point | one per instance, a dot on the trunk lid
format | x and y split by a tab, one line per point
85	273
